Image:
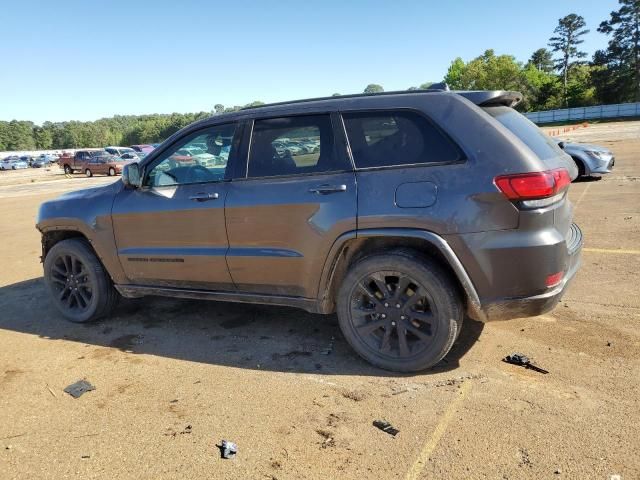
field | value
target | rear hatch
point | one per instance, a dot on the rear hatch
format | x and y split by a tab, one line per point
546	149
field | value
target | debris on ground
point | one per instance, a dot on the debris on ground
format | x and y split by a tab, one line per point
228	449
523	361
127	342
328	441
329	349
386	427
172	433
355	395
290	355
80	387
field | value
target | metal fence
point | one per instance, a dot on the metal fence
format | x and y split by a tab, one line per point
585	113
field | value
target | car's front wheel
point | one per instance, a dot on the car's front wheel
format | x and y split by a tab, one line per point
67	170
78	283
112	171
88	173
399	311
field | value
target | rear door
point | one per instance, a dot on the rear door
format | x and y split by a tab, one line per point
289	205
171	232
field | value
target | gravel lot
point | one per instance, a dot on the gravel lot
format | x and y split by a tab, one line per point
173	378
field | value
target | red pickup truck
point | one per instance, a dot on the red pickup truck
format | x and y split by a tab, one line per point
74	163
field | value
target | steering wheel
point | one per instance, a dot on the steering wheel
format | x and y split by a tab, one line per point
198	173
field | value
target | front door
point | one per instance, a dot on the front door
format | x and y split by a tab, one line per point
297	196
171	231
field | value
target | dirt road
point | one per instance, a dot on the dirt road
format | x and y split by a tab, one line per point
173	378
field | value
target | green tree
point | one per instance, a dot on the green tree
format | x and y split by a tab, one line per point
374	88
580	89
218	108
335	95
20	136
453	78
4	135
624	48
542	59
566	41
43	138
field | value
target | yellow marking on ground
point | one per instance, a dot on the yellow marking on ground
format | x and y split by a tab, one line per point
611	250
432	443
584	192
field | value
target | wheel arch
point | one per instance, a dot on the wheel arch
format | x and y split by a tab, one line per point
352	246
580	162
52	237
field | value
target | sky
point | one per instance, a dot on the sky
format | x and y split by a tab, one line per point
84	60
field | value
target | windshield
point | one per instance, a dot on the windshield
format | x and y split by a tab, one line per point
541	144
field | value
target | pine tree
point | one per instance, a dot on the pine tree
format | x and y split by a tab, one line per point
624	45
566	41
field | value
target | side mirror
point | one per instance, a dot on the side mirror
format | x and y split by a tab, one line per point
561	145
131	175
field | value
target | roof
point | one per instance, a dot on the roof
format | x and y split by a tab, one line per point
479	97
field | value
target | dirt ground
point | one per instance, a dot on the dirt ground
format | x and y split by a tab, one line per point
173	378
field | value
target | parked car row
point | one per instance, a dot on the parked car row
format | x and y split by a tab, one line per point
107	161
15	162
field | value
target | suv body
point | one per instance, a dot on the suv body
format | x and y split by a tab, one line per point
418	207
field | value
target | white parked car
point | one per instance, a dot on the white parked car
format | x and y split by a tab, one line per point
13	163
119	151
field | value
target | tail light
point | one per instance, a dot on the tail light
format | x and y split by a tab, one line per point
535	189
553	280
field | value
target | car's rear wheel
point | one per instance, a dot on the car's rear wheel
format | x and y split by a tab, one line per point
67	170
112	171
88	173
399	311
79	286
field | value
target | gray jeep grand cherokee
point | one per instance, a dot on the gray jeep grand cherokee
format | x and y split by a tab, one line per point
401	212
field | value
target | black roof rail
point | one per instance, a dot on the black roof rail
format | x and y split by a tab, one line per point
479	97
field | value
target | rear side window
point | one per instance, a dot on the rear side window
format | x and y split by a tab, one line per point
381	139
293	146
542	145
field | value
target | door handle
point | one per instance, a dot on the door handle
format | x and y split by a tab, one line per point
326	189
204	197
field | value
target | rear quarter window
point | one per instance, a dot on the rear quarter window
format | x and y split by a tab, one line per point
397	137
541	144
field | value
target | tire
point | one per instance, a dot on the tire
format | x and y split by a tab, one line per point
67	170
580	166
372	324
112	172
88	173
79	286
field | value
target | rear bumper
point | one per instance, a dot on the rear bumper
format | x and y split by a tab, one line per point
518	307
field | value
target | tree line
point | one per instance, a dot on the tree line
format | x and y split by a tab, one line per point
559	76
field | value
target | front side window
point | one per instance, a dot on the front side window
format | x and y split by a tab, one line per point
201	157
292	146
381	139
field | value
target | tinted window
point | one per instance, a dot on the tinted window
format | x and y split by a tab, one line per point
534	138
388	138
187	163
292	145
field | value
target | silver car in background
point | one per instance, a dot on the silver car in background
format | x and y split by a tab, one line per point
13	163
591	160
